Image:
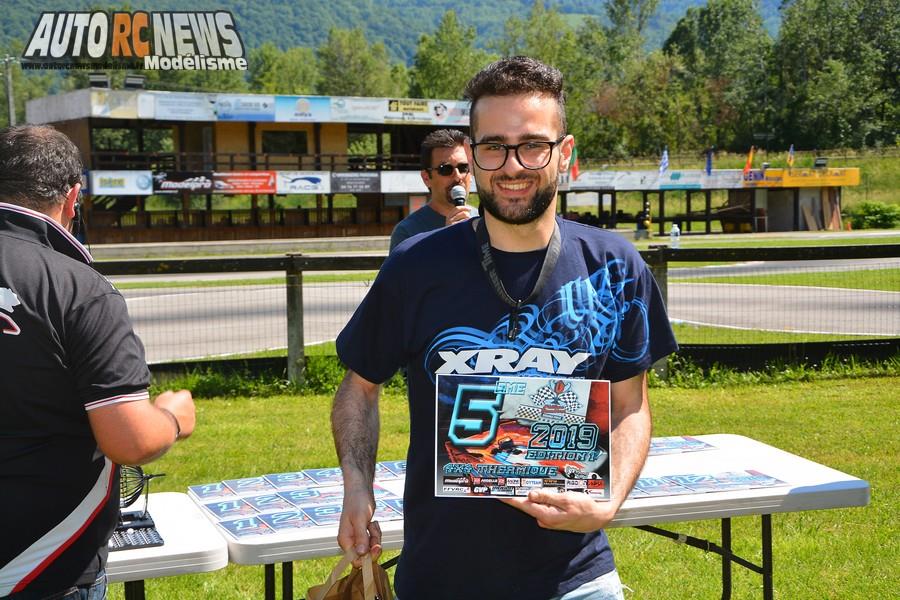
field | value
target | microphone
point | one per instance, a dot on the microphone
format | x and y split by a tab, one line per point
458	195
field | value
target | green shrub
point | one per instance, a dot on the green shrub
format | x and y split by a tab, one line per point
875	215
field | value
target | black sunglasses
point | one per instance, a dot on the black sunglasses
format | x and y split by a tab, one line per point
446	169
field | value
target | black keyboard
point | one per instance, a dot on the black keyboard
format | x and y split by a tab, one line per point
129	539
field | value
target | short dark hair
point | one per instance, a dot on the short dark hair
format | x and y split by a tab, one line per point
38	166
514	76
440	138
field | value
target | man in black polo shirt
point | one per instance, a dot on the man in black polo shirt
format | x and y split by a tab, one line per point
73	382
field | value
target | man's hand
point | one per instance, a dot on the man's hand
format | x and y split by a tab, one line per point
459	213
566	511
357	531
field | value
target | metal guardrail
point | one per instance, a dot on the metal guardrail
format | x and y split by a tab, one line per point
659	258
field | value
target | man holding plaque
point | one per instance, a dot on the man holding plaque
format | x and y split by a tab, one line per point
537	296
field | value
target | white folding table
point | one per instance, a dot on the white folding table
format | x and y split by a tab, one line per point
192	544
811	486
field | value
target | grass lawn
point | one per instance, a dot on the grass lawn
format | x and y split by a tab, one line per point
205	283
848	424
887	280
689	333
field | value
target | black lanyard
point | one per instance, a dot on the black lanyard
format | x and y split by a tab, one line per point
490	269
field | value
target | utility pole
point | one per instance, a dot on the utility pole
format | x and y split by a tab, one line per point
10	99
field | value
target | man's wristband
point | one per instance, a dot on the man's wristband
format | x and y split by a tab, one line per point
174	420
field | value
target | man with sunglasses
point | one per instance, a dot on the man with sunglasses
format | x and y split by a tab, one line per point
73	382
444	165
537	296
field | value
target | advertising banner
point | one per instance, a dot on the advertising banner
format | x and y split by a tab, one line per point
448	112
681	180
346	109
121	183
114	104
244	182
408	111
237	107
174	182
303	182
355	183
178	106
302	109
402	182
651	180
789	178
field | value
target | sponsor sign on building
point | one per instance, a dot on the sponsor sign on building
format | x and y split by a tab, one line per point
790	178
176	182
303	182
402	182
302	109
244	182
358	110
121	183
355	183
408	111
446	112
174	106
245	107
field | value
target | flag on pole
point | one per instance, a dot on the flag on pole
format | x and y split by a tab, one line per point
749	164
664	162
574	167
709	153
790	159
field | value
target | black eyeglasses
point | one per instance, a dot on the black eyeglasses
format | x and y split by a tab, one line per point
446	169
533	154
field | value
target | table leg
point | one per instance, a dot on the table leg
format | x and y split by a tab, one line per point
134	590
726	558
287	581
270	582
768	584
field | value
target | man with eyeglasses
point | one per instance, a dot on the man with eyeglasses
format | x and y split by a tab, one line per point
444	165
538	296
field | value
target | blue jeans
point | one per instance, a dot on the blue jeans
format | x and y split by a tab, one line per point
605	587
91	591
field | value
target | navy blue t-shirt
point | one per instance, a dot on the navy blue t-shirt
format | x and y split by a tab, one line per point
431	308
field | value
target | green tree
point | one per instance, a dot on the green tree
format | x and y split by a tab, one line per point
726	50
826	48
350	66
27	84
627	22
445	61
653	107
272	71
544	35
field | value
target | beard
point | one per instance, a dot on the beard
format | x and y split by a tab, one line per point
519	214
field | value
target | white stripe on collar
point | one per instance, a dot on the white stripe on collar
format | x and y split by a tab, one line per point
62	230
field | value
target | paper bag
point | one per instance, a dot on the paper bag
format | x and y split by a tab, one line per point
371	582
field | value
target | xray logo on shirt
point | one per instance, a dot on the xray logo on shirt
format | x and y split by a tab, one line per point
507	360
574	329
8	301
